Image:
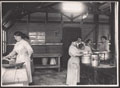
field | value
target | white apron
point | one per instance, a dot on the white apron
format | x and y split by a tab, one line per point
24	51
73	72
73	67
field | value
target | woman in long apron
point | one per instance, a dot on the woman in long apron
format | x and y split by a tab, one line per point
73	68
24	51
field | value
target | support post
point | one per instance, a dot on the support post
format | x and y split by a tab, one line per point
112	30
46	18
96	21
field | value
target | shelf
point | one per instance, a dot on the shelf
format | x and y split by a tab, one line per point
58	55
46	66
47	55
44	44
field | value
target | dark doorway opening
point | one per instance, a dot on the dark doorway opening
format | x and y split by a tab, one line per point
70	34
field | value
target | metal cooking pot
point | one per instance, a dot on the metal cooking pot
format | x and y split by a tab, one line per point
104	56
8	61
95	60
86	59
52	61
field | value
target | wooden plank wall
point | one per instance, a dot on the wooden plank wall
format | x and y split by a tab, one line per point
53	31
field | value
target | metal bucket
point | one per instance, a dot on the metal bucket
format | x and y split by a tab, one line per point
86	59
52	61
44	61
95	60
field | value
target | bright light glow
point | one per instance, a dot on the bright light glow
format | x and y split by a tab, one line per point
85	16
74	7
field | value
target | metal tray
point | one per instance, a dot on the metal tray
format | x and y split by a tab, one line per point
16	65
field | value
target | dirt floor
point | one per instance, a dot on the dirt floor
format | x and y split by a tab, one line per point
49	77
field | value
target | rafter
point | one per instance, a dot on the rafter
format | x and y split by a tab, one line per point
48	5
61	13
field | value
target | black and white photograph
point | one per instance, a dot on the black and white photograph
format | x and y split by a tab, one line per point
59	43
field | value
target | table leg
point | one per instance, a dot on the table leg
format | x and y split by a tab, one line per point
95	76
32	66
58	64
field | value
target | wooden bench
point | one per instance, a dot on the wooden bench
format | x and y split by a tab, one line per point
57	56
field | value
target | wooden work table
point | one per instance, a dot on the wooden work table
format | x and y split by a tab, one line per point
102	74
13	76
48	55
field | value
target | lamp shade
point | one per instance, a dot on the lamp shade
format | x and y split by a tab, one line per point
74	7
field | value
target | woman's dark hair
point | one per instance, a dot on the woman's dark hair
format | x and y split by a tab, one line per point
104	37
88	40
23	36
80	46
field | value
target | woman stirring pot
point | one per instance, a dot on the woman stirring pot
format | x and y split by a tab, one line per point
24	51
73	67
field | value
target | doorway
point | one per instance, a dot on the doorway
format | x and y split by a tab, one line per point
70	34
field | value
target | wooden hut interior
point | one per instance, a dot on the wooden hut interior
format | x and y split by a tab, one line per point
51	28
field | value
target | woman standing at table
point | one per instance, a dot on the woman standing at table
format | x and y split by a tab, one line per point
24	51
104	48
73	67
